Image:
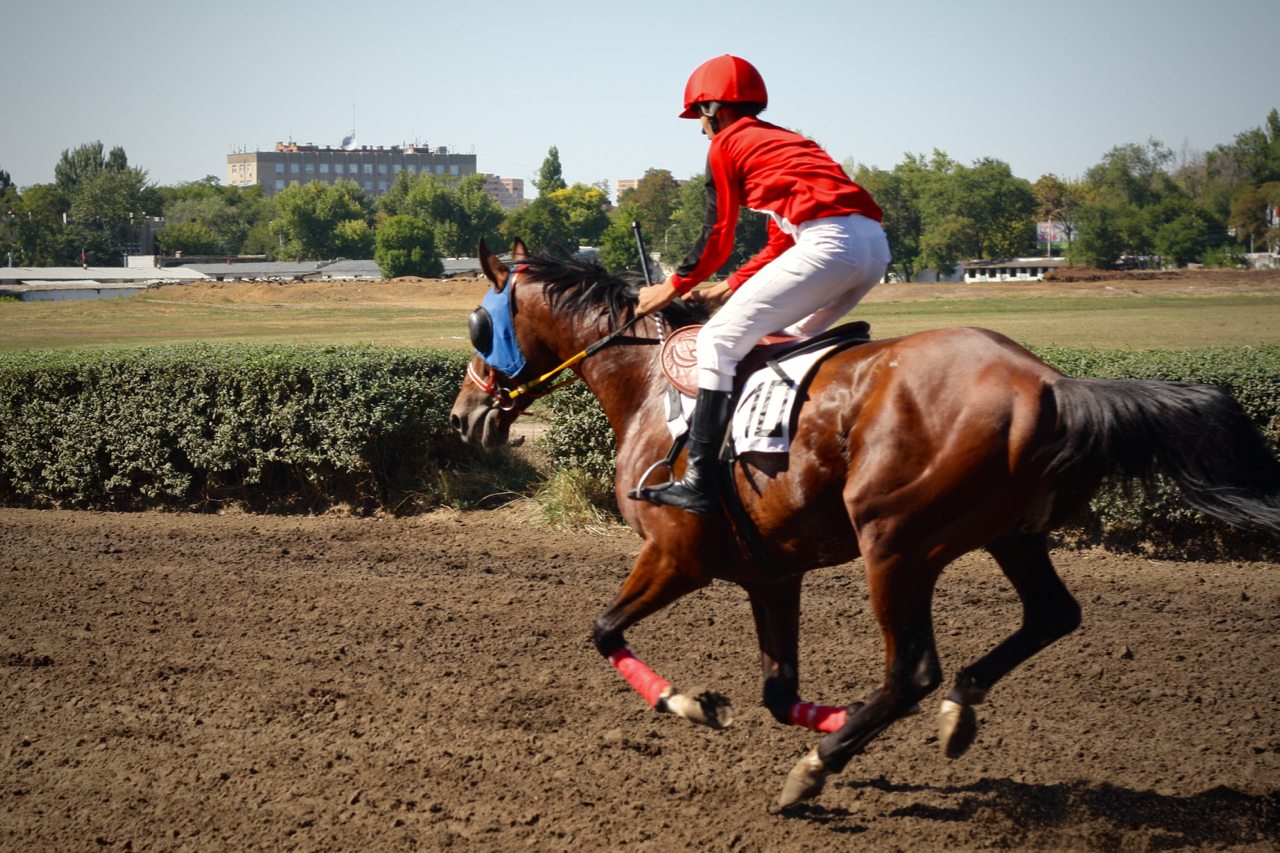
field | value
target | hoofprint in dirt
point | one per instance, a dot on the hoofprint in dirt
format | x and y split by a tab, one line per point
186	682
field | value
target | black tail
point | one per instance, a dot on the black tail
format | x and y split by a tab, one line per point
1198	434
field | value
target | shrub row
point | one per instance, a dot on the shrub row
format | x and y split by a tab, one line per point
363	425
187	424
1155	519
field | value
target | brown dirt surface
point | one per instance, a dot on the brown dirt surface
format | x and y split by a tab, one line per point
227	682
450	293
466	293
1217	276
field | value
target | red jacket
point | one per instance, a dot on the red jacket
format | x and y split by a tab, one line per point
764	167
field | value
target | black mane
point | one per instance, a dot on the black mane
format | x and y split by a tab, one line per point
582	288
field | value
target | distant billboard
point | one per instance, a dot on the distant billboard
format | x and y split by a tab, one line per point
1054	232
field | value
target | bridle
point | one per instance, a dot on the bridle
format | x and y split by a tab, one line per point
507	399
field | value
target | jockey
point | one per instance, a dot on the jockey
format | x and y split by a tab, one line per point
825	251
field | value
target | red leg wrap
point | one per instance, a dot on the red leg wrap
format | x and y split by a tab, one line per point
820	718
646	682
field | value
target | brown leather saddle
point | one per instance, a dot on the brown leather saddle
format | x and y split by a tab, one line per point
680	352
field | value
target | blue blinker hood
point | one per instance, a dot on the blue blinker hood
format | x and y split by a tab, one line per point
493	333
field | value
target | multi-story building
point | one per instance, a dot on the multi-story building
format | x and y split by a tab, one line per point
507	192
374	169
624	184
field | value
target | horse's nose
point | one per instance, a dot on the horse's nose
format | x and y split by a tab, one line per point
456	422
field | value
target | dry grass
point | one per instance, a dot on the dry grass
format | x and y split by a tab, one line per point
1183	313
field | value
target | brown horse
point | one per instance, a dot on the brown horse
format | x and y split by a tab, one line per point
909	452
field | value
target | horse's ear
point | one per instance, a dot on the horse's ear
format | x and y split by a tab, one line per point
494	269
519	251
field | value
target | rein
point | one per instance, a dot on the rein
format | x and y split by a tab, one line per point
507	399
538	387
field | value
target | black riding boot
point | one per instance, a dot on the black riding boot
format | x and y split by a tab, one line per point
696	491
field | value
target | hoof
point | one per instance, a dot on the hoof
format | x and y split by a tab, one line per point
805	780
704	707
957	727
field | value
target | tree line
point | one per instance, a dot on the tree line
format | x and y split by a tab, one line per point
1139	200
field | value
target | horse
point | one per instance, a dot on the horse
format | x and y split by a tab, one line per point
908	452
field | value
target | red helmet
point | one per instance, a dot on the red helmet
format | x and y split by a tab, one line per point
727	79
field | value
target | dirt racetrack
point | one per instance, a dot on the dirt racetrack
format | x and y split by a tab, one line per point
238	682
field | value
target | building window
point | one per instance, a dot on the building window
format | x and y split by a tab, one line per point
382	168
279	168
382	186
279	184
368	185
337	168
293	168
395	170
453	170
440	169
324	168
413	170
311	168
368	168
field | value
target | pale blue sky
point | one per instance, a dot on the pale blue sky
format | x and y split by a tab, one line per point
1045	86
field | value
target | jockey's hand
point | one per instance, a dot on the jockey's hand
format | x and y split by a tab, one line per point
715	295
655	297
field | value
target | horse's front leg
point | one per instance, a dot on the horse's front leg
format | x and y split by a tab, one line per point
776	608
655	581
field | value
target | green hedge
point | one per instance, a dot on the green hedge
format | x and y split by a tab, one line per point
1156	520
187	424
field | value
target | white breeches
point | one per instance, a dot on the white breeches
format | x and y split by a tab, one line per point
802	292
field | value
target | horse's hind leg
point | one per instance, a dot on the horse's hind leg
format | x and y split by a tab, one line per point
901	594
1049	612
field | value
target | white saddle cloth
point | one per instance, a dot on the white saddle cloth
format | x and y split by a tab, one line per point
762	420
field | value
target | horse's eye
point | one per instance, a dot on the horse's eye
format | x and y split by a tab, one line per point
480	325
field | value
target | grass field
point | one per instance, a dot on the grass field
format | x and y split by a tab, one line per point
1139	320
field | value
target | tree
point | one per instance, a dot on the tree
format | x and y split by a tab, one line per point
583	208
478	215
1108	230
549	177
1059	201
308	216
458	212
188	237
106	208
654	198
1134	174
1251	216
618	250
406	246
542	224
353	238
1180	230
41	237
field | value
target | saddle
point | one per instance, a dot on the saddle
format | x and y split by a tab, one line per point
679	356
679	360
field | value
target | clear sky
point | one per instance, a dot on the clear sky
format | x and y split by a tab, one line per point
1045	86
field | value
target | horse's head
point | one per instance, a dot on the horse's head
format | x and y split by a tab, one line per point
483	412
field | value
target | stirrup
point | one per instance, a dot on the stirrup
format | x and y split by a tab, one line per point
668	462
695	502
637	494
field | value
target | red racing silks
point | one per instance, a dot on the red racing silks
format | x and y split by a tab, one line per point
820	718
646	682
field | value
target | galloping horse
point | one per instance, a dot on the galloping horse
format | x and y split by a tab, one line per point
909	452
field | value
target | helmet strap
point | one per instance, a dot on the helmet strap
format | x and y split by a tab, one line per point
709	110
